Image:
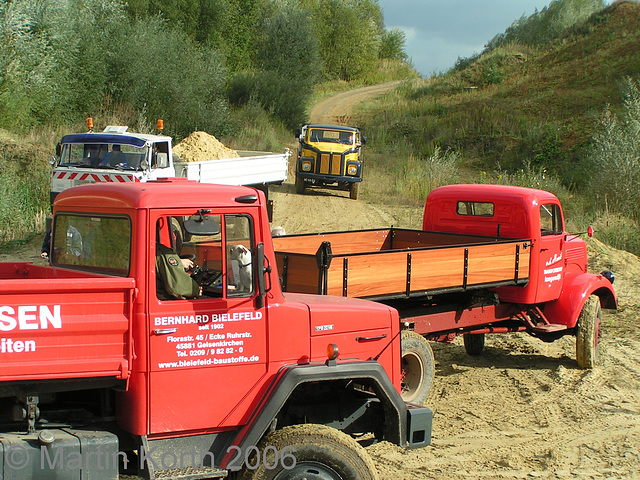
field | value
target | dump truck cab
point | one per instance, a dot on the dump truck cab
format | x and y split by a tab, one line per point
329	155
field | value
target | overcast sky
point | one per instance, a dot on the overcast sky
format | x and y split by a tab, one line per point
440	31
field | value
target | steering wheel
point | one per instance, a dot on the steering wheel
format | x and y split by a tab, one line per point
189	256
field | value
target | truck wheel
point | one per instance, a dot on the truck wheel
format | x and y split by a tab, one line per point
588	333
311	452
473	343
353	191
300	186
418	367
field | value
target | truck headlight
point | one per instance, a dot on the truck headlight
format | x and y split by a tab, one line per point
306	166
352	169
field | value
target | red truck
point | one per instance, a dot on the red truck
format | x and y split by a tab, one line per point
101	376
489	259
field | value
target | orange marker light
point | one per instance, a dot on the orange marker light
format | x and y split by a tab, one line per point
160	124
90	123
332	351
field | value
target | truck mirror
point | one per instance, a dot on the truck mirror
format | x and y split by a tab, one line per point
52	160
162	160
364	139
262	270
58	149
204	226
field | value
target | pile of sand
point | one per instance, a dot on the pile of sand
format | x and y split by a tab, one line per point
200	146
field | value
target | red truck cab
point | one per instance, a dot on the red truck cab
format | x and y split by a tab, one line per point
223	370
558	259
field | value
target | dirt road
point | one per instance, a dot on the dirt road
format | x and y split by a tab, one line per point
336	109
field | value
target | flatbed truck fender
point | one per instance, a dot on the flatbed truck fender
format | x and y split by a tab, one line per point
575	292
407	425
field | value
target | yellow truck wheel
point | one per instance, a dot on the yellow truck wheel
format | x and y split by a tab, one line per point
353	191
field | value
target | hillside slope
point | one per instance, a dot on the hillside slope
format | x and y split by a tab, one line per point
520	105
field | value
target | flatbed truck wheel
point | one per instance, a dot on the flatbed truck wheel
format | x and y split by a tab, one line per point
353	191
417	367
588	333
473	343
300	186
311	452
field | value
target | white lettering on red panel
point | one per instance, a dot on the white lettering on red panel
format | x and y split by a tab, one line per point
29	317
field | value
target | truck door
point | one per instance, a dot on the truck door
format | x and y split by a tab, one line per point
551	253
207	349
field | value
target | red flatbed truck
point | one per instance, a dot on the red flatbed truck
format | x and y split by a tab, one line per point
489	259
100	376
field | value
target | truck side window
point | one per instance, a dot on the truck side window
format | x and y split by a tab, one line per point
239	256
221	264
550	220
92	243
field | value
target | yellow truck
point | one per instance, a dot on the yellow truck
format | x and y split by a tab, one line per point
329	155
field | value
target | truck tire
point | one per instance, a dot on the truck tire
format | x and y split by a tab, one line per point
588	333
418	367
353	191
309	451
473	343
300	186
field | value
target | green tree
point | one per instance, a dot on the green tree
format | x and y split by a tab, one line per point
170	77
392	45
615	159
287	45
349	33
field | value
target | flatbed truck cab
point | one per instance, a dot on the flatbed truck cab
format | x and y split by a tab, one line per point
109	375
330	155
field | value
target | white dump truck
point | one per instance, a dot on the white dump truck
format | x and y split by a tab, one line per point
117	155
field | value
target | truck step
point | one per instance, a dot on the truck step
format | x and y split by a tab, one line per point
190	473
549	328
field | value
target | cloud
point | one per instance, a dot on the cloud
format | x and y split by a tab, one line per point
440	31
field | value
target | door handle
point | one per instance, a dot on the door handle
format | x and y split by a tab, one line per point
369	339
165	331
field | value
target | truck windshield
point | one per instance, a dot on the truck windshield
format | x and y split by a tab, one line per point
92	243
102	155
331	136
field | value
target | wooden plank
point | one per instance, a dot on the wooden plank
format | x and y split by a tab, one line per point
408	239
431	269
341	242
302	273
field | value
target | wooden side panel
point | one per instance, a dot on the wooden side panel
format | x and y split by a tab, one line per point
386	273
495	263
298	272
403	239
341	243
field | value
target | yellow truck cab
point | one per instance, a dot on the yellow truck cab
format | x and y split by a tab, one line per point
329	155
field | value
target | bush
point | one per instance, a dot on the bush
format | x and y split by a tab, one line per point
421	175
615	158
283	97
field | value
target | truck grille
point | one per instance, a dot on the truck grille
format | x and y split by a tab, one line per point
330	164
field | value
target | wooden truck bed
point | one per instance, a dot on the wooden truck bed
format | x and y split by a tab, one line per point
397	263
